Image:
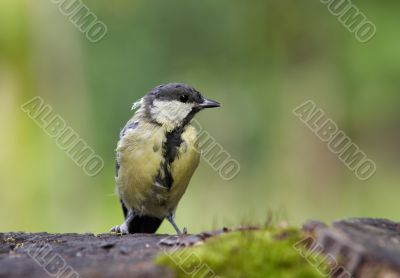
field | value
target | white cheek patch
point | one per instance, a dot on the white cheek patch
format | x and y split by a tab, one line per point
170	112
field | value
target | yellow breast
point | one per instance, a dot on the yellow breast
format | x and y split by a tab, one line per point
184	165
140	155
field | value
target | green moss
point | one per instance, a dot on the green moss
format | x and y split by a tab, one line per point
262	253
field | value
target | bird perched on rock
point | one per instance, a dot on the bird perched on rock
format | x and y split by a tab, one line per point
157	155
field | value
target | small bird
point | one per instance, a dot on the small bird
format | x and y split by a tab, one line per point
157	155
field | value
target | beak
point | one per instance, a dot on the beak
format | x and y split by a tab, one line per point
208	103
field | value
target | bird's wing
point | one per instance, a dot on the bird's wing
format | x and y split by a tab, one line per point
128	126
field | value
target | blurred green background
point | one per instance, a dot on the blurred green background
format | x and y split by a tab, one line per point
259	59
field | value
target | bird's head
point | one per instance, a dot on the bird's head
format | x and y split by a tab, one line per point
172	105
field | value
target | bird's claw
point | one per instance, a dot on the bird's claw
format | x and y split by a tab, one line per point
120	229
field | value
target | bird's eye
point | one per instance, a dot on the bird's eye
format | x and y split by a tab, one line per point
184	98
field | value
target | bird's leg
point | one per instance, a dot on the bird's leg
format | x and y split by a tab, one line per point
171	219
123	228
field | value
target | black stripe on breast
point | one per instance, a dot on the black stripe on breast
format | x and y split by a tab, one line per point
170	153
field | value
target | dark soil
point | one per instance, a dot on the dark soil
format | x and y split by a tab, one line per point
364	247
88	255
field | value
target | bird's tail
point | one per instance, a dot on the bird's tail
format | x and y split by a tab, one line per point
144	224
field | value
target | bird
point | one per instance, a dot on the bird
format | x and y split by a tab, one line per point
156	156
